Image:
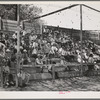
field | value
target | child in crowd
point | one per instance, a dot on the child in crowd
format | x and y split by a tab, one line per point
23	78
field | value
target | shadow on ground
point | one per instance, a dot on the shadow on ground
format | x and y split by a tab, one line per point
70	84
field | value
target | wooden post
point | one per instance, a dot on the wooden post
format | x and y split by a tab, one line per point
81	39
1	68
18	46
53	73
41	32
40	27
0	23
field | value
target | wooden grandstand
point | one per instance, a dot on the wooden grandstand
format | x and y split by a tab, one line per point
9	27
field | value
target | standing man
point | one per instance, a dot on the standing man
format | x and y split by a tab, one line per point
2	49
2	57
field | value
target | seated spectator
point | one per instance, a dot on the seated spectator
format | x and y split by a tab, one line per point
93	49
44	59
23	78
14	37
90	62
61	51
96	67
53	51
46	48
7	79
79	58
33	37
34	56
39	60
25	57
85	57
35	44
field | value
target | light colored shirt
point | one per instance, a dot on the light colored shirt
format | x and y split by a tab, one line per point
22	75
53	49
91	60
35	44
33	37
14	36
38	61
34	51
62	51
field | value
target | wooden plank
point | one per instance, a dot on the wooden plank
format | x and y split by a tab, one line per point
9	21
39	76
32	70
9	28
28	26
56	65
68	74
9	24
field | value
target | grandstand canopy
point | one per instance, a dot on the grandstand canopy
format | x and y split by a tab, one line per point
71	18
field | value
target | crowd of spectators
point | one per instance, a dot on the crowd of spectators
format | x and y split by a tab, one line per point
37	49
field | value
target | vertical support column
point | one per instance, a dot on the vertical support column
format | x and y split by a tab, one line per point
41	30
81	69
18	45
1	67
0	23
1	70
40	27
53	73
54	35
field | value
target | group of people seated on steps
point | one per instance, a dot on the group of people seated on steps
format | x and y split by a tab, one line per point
39	49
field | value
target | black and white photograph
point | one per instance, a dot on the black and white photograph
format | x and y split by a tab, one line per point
50	47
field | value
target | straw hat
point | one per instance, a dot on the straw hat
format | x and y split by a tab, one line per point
24	50
7	50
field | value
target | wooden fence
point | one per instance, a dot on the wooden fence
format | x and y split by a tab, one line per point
9	25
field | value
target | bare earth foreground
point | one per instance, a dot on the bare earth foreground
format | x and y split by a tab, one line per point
72	84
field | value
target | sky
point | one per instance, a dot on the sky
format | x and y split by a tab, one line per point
70	18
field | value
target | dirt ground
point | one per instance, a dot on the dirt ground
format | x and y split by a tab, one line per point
72	84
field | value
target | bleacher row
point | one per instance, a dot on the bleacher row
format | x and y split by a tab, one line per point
57	71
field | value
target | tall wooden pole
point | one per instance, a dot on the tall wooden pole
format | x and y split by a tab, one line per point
81	39
18	44
18	33
41	27
41	32
1	69
0	23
